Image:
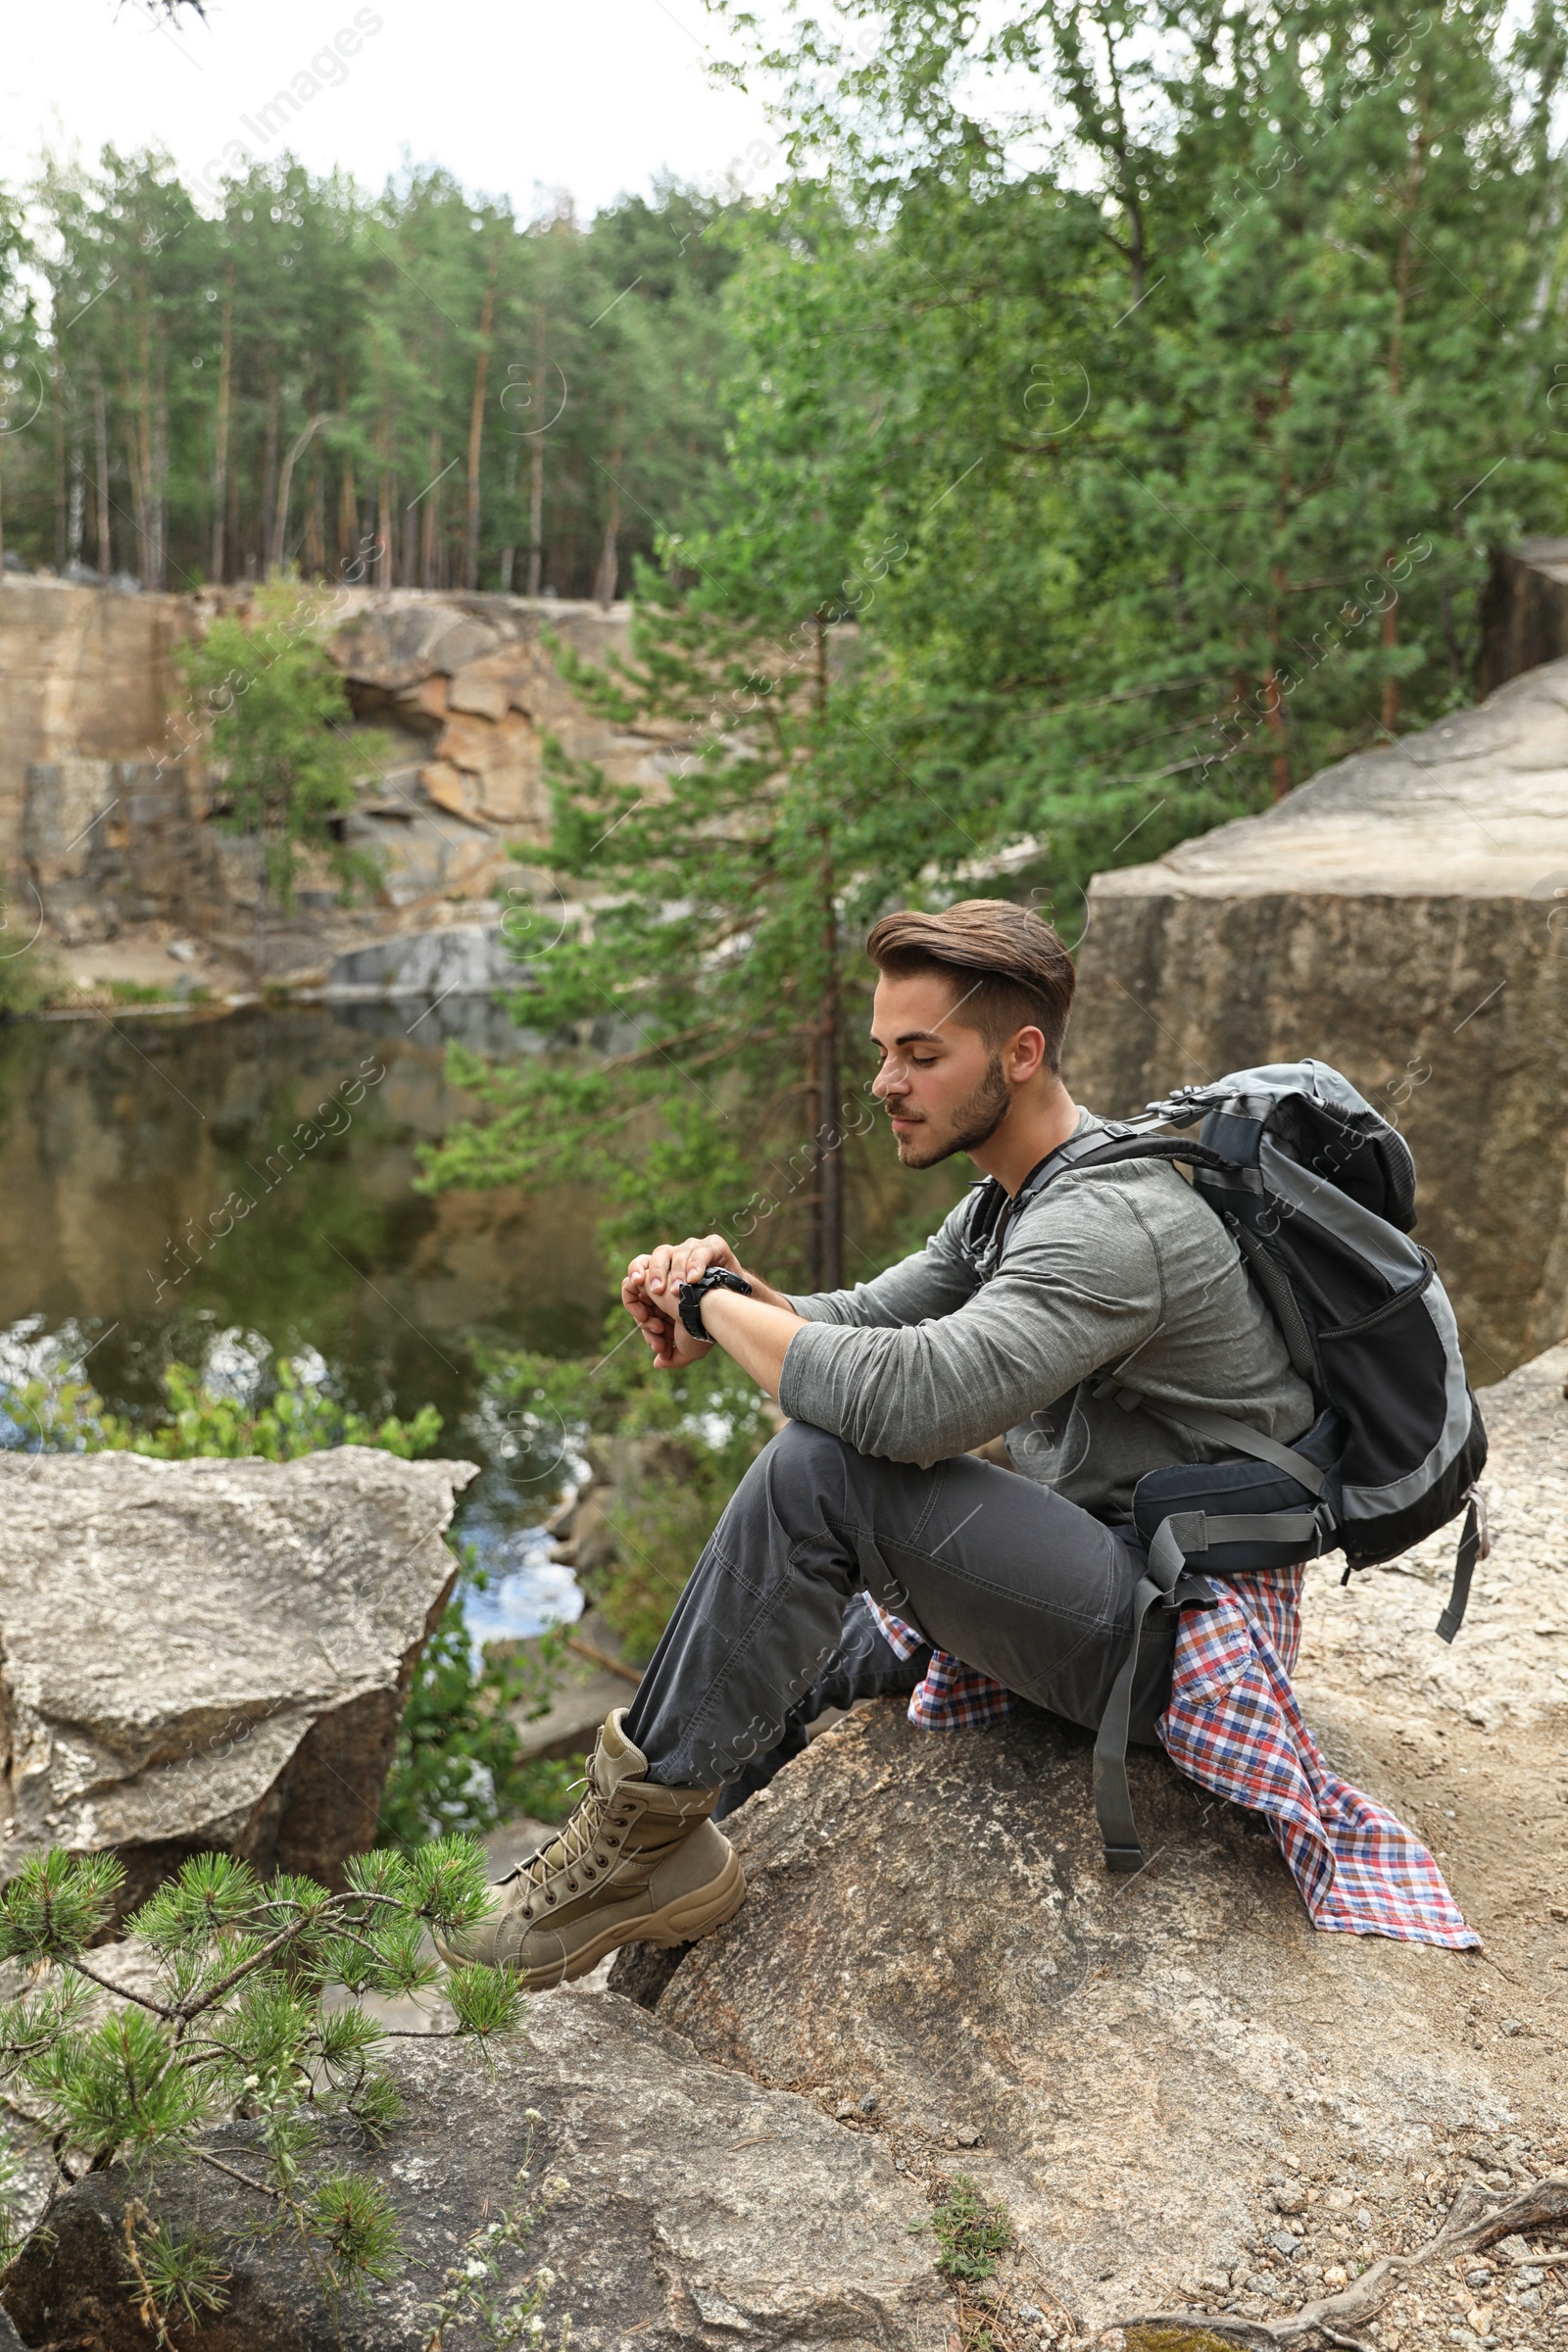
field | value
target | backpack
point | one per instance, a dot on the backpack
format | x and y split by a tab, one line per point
1317	1191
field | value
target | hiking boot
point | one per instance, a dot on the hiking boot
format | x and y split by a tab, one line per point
637	1863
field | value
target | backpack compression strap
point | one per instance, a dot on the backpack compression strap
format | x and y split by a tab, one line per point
1473	1546
1174	1539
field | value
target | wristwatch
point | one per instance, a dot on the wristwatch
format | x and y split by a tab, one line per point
692	1295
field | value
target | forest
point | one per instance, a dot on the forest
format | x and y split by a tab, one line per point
416	388
1104	425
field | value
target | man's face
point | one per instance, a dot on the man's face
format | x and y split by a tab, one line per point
944	1088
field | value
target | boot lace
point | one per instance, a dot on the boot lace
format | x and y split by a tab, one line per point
599	1822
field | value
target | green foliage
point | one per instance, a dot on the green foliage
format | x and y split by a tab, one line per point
1193	431
30	973
357	2231
56	1904
971	2231
294	1419
247	2022
181	2277
672	1449
487	2000
277	710
727	954
458	1765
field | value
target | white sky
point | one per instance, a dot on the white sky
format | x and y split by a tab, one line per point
514	96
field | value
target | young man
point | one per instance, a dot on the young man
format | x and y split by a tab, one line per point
1117	1277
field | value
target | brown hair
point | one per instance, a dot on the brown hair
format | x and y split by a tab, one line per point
1026	975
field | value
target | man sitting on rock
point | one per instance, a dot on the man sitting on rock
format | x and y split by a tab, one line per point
868	1548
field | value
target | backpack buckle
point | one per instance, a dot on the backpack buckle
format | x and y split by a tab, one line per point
1477	1494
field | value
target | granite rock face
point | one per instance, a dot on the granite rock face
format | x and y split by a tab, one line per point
683	2207
470	688
1142	2070
84	675
212	1653
1403	916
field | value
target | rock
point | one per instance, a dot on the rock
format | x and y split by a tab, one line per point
1403	916
461	958
1524	609
397	641
502	762
104	795
586	1683
111	842
1508	1669
83	676
212	1653
929	1925
689	2205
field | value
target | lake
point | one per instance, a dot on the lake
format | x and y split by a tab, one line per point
164	1204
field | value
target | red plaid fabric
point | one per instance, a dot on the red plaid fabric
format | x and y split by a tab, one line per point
1232	1725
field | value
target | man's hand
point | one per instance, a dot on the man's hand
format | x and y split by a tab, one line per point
650	1294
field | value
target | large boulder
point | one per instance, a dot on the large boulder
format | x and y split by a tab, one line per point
212	1653
682	2207
1186	2095
1405	917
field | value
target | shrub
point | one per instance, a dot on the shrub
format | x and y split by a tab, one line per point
278	712
246	2024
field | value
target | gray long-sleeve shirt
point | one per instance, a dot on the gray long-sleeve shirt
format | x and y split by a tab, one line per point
1119	1269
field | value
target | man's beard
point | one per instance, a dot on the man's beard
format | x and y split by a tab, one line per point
974	1122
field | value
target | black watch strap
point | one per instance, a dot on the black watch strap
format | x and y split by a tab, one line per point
692	1295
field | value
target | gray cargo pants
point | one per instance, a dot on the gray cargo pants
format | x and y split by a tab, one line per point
1001	1571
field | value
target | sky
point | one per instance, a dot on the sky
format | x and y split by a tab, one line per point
519	98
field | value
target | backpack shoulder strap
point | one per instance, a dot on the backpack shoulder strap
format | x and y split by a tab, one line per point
1222	1431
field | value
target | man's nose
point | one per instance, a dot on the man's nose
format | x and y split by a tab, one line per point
892	1078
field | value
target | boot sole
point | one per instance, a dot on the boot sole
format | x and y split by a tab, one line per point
682	1921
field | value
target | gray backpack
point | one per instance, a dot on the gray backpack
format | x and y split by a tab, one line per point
1318	1192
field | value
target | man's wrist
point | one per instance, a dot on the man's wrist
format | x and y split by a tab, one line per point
691	1296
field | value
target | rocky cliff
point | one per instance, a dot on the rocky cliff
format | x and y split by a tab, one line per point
1406	916
103	793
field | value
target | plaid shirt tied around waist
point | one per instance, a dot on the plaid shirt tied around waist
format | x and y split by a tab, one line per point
1234	1725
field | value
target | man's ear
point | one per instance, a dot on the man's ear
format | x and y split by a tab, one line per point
1026	1056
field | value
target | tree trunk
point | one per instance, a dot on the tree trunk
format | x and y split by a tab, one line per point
1274	710
481	365
225	380
1389	638
383	512
609	561
315	523
347	518
427	521
270	474
1389	632
158	503
827	1156
100	422
536	487
506	578
76	517
60	467
285	484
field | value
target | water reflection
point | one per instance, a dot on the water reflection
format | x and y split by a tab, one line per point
213	1191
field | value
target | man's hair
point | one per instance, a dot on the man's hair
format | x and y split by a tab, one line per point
1009	969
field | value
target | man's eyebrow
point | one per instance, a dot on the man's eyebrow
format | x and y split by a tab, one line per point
912	1036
